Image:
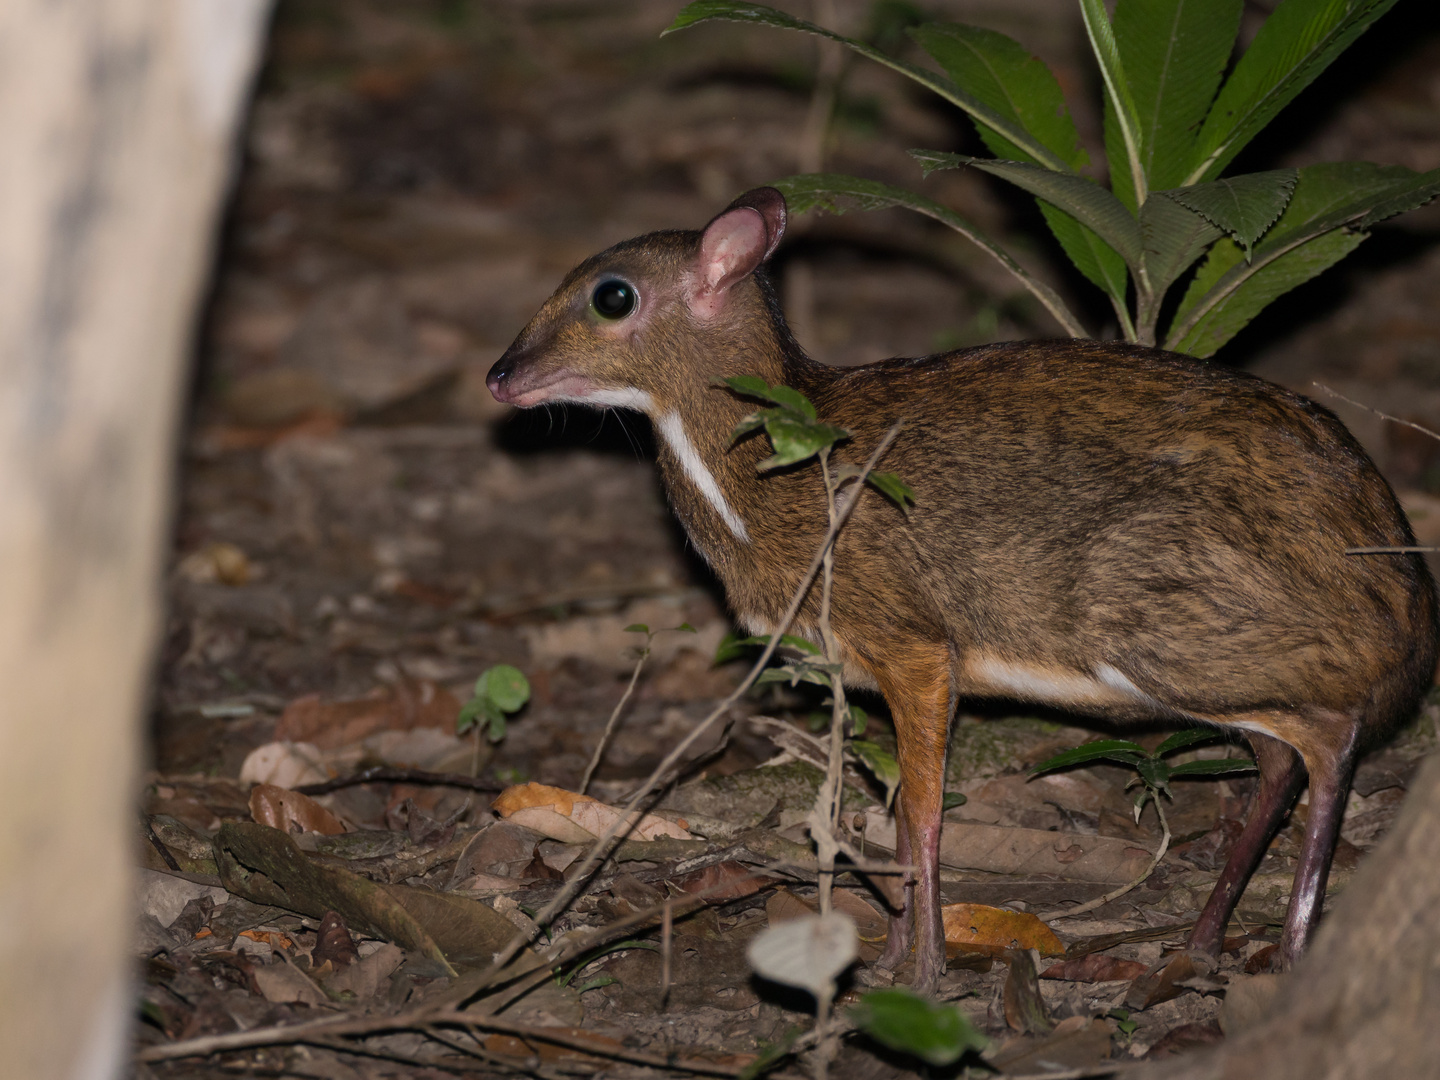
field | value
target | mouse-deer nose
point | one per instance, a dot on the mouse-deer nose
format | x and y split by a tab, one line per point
497	381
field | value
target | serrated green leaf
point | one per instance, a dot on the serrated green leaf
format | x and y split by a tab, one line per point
1003	75
935	1032
1121	116
788	398
1331	206
1102	749
1187	737
1083	199
1098	261
893	488
684	628
1242	292
1101	264
798	440
1212	766
836	192
505	686
746	385
734	11
796	642
637	628
881	764
1174	53
1174	237
1296	43
1244	206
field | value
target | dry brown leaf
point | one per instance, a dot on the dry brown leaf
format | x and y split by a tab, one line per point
573	818
282	809
282	984
1096	967
998	849
402	706
1078	1042
978	927
728	880
365	977
333	943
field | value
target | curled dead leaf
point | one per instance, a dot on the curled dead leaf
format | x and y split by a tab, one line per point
981	928
573	818
289	811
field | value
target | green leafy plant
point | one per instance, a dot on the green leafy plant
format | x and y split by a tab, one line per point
796	435
1152	780
501	690
1174	120
812	952
937	1033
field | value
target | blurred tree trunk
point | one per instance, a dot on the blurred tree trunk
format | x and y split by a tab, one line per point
1364	1003
117	123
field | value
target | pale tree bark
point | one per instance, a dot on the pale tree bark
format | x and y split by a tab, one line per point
117	123
1364	1003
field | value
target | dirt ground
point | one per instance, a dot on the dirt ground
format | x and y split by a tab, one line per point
362	531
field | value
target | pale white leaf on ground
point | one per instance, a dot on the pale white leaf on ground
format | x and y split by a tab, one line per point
284	764
808	952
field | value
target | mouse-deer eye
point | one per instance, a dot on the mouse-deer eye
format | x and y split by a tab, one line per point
613	299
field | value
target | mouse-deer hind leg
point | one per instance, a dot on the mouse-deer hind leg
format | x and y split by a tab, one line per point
1282	775
1323	745
915	679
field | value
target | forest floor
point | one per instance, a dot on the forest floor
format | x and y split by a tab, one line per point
362	531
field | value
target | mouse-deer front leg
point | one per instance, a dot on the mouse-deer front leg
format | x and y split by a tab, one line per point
915	677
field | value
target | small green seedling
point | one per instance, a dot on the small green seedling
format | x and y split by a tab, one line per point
501	690
1154	772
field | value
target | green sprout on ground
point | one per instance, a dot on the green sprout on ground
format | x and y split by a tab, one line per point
1152	780
500	691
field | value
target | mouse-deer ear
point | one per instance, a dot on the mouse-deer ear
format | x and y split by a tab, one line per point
735	243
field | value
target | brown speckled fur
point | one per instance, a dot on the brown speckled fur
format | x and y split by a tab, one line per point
1082	509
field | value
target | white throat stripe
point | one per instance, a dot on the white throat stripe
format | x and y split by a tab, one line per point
672	430
626	397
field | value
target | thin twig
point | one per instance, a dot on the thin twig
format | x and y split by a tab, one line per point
600	850
1100	901
1383	415
614	718
1389	550
310	1033
402	776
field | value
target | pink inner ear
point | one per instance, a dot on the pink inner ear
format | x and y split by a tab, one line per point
733	246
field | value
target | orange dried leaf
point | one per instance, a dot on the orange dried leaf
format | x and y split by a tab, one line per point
978	927
526	796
